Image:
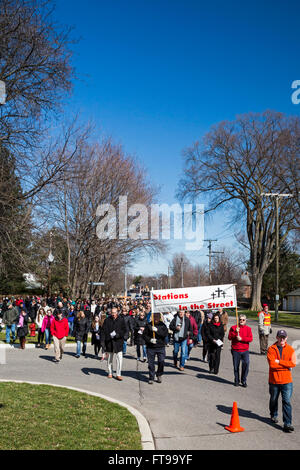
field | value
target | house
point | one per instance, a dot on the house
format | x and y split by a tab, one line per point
291	302
245	285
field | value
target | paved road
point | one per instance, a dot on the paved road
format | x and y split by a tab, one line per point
190	409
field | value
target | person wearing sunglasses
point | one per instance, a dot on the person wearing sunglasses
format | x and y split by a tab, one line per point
240	336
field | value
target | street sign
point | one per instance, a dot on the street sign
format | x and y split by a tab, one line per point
96	283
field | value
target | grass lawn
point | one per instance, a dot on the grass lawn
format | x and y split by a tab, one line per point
284	319
40	417
33	339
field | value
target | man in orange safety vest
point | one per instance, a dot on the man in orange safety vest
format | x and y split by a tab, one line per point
264	328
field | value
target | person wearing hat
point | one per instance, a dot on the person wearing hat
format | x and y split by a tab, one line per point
155	334
281	358
264	328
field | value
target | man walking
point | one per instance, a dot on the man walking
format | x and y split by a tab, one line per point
281	358
264	328
182	328
240	337
155	337
59	330
115	331
10	319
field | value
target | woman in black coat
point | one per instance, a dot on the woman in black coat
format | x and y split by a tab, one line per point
22	328
215	333
80	332
138	327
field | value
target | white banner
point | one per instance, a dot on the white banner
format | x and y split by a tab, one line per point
193	298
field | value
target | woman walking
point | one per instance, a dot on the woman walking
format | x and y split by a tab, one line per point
139	325
22	328
215	334
96	335
39	323
46	327
80	332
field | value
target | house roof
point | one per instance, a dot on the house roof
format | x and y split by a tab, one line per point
294	292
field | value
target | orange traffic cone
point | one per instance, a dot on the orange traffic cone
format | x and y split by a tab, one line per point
235	421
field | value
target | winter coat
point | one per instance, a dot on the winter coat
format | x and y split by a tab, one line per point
204	331
193	337
245	334
127	321
11	316
139	340
47	321
23	330
160	335
215	332
281	373
81	328
188	330
97	335
118	325
59	328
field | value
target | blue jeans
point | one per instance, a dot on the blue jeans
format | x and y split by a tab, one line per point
286	391
70	328
182	345
124	347
47	336
237	357
138	351
199	337
78	347
10	329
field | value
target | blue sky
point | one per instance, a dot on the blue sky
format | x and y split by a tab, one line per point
155	75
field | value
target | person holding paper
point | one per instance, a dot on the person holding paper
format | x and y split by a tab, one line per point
215	335
114	330
240	336
154	335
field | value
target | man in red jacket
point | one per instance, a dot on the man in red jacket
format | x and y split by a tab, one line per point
59	330
240	337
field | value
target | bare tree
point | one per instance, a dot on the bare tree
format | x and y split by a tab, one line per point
234	164
35	67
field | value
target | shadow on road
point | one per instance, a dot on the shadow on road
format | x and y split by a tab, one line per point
214	378
247	414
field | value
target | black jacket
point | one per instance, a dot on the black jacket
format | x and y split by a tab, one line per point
127	321
215	332
139	340
204	331
188	329
118	325
81	329
160	335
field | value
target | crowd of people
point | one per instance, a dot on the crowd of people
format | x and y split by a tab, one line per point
113	324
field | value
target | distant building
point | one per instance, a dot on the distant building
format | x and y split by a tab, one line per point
291	302
245	285
31	282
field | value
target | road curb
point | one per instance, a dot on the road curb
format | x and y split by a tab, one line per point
146	434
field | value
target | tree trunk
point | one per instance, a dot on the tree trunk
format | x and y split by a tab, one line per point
256	292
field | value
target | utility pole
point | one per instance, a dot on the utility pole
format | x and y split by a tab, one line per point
169	278
277	196
181	267
210	255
